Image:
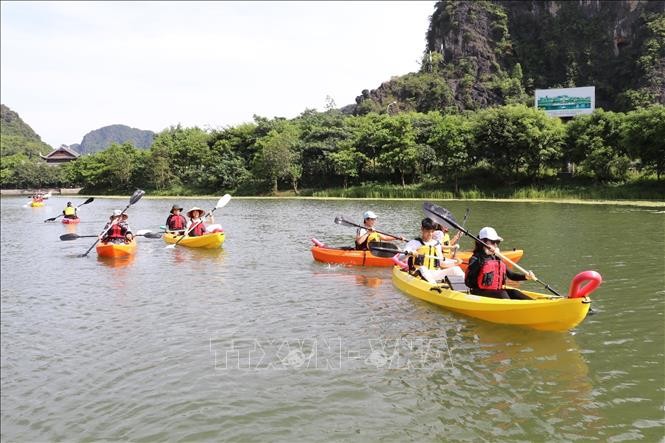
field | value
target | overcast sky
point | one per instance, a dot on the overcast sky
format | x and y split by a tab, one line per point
71	67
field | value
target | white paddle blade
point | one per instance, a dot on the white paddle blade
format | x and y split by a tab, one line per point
223	201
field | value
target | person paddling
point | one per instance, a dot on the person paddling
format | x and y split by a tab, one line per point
70	211
368	234
116	230
486	274
196	226
426	258
176	222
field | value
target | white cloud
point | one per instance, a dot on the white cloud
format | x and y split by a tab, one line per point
71	67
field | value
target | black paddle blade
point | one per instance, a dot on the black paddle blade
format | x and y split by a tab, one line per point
50	219
440	215
152	235
67	237
339	220
383	249
136	196
89	200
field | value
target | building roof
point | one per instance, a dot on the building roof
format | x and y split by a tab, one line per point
60	154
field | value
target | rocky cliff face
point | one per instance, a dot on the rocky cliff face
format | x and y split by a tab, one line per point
102	138
494	52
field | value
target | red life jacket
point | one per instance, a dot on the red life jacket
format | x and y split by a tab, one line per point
116	231
176	222
492	274
199	229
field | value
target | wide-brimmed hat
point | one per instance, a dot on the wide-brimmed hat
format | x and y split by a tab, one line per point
174	207
189	213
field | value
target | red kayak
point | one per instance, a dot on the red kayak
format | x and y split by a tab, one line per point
71	221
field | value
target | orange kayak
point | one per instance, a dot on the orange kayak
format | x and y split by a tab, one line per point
353	257
116	250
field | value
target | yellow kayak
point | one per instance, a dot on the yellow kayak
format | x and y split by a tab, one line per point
35	204
210	240
545	312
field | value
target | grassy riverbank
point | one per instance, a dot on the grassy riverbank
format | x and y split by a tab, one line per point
647	193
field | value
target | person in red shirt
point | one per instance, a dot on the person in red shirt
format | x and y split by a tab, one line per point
196	226
116	230
176	222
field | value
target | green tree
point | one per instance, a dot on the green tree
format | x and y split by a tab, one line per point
400	153
346	163
643	136
277	157
593	141
450	138
517	140
185	149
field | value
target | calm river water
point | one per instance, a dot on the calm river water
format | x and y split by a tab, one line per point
258	342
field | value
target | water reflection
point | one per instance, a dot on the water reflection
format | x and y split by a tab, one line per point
515	373
370	282
118	262
69	227
351	279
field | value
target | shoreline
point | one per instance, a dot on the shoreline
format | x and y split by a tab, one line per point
638	203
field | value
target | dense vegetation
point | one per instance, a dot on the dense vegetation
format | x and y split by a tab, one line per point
489	53
492	152
460	127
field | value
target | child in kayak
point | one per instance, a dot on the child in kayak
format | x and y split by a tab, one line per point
487	274
176	222
197	227
117	230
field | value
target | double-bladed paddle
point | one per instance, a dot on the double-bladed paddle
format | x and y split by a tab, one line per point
89	200
142	233
220	204
340	220
136	196
442	215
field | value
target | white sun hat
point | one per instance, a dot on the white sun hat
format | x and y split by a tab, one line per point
489	234
369	214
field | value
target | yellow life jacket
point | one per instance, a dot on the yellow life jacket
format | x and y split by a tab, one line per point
445	241
70	210
373	237
426	256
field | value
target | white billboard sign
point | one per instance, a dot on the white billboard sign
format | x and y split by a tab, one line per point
566	102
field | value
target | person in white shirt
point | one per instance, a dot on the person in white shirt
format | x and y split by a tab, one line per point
367	234
425	256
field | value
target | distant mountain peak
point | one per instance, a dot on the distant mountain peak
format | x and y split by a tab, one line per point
102	138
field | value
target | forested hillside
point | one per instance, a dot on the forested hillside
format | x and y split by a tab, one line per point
486	53
16	137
